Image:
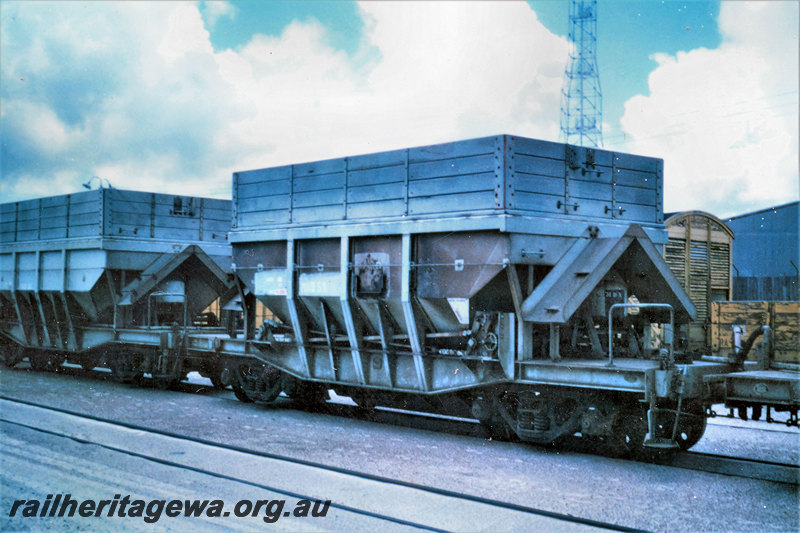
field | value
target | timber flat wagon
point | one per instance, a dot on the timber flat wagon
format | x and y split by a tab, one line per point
699	252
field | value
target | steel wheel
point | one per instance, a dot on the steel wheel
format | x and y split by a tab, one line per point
240	393
272	383
691	424
126	367
39	360
364	399
89	362
243	379
216	378
306	393
12	354
260	383
628	435
486	409
497	429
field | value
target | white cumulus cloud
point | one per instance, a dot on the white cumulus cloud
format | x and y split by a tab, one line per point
217	9
726	120
135	93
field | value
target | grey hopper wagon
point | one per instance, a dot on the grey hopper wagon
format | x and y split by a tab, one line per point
479	273
79	273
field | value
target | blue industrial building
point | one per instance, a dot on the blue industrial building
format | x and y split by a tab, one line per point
766	254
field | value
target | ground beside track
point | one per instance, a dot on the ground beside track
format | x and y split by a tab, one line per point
35	464
752	439
646	496
122	453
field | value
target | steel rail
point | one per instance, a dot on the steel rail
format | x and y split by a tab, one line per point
433	421
787	473
321	466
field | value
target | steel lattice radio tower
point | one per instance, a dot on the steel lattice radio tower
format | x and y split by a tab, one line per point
581	98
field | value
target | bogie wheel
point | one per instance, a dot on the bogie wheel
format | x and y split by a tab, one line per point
126	367
498	429
244	378
256	383
307	394
691	424
487	410
629	432
12	354
215	375
364	399
39	360
240	394
272	379
89	362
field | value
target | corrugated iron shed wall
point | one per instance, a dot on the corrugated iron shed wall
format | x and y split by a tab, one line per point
766	254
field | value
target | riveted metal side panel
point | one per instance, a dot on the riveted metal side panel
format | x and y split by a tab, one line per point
551	178
446	178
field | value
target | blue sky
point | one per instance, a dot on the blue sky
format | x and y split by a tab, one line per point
624	60
173	97
627	40
247	18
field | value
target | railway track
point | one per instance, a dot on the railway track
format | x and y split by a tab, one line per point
698	461
387	499
737	466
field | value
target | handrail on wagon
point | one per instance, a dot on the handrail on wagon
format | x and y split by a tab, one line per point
638	305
